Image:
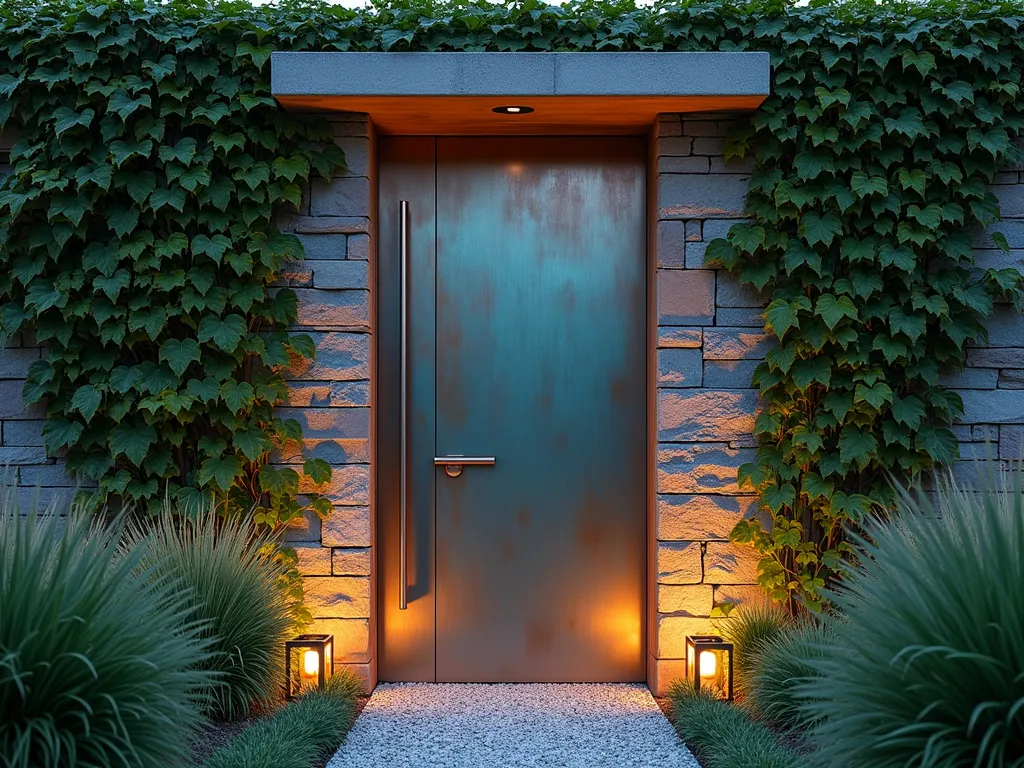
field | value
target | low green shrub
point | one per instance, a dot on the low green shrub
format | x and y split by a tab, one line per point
749	630
725	736
928	668
101	663
298	735
234	587
781	669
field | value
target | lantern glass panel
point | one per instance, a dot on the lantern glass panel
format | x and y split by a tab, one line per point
309	663
709	665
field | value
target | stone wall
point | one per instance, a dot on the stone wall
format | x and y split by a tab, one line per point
40	481
710	338
331	396
992	384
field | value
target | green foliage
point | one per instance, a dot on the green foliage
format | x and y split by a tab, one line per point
749	630
305	731
781	669
101	663
724	736
873	157
232	582
138	245
925	666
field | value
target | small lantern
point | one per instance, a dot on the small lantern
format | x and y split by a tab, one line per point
709	664
309	661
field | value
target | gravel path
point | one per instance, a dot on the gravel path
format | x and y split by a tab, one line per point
513	726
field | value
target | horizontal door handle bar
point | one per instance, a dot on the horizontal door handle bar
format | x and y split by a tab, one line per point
453	464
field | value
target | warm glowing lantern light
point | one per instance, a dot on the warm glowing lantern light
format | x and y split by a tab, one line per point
709	664
309	661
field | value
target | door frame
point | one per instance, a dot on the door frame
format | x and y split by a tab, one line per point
384	460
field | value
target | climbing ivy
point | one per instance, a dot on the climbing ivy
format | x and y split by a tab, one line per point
874	155
138	245
139	242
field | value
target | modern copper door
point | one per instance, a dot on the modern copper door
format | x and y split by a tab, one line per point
526	355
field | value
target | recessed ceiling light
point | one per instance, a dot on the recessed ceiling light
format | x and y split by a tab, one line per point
513	109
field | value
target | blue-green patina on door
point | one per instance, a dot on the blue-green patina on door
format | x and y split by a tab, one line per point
527	343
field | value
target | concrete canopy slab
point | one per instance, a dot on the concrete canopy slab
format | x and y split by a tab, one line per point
438	93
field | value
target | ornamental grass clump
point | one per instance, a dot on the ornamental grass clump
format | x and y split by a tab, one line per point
233	585
101	661
725	736
779	671
303	733
926	667
749	631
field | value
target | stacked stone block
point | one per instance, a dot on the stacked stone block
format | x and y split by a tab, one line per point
40	482
710	338
331	396
992	383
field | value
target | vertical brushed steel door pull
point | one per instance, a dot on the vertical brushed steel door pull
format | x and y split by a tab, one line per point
403	248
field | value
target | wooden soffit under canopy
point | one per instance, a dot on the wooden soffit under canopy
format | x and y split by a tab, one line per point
569	93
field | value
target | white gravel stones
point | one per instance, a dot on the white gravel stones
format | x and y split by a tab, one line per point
513	726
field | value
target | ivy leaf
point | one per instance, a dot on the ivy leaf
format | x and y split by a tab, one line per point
908	410
908	123
258	55
318	470
302	344
221	472
122	220
940	444
815	228
901	257
866	186
207	389
183	151
913	325
214	247
721	253
278	481
876	396
807	372
113	285
892	349
856	446
391	36
140	186
60	433
291	168
132	441
833	310
179	354
124	105
86	401
173	197
778	496
237	395
930	216
958	92
782	315
923	61
251	442
225	333
65	119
